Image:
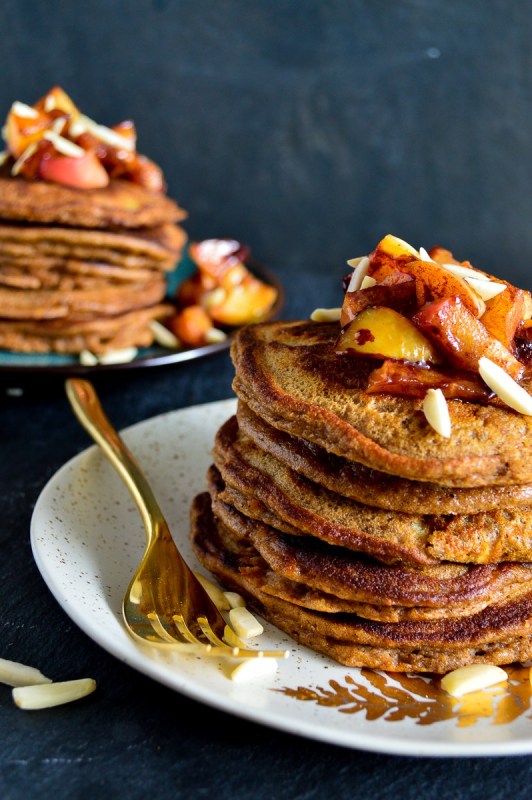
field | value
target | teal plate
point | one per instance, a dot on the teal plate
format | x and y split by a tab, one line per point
49	363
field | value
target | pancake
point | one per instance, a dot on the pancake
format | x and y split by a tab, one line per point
289	375
122	204
69	274
498	634
256	483
99	335
334	579
158	248
106	300
358	482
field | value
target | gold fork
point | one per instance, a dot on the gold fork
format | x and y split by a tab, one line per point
165	604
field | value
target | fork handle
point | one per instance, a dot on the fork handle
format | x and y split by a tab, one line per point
88	410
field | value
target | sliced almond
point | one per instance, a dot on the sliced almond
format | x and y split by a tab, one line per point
326	315
368	282
353	262
215	593
88	359
118	356
23	110
163	336
64	146
4	155
52	694
505	387
424	256
359	273
12	673
254	669
436	412
244	623
215	336
485	289
234	599
105	134
21	160
465	272
472	678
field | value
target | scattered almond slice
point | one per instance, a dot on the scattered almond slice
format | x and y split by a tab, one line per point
4	155
244	623
253	669
12	673
359	273
215	336
163	336
118	356
52	694
326	315
472	678
505	387
234	599
215	593
88	359
436	412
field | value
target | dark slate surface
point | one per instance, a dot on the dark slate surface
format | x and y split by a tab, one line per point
309	130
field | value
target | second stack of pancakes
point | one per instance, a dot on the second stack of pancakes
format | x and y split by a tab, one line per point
348	522
84	268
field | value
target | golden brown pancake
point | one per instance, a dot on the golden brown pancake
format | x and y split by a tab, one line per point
122	204
24	304
255	480
498	634
289	375
159	247
130	329
371	487
334	579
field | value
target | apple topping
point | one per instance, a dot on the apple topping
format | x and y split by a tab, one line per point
53	141
381	332
220	294
433	321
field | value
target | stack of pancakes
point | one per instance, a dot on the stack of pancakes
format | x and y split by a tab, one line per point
349	523
83	268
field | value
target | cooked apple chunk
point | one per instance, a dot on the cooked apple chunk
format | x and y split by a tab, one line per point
505	312
462	337
381	332
400	296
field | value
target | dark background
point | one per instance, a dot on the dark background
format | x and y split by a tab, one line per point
308	130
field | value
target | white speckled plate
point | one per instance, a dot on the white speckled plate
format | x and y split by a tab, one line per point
87	538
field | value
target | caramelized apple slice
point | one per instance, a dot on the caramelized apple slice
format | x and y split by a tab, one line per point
246	302
396	377
400	296
392	251
505	312
21	131
462	337
381	332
